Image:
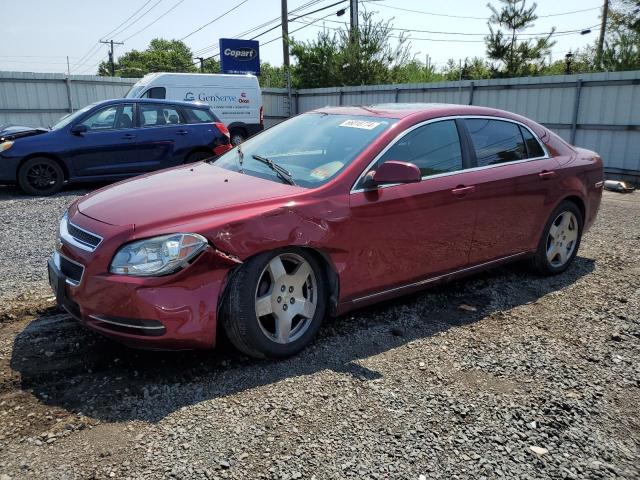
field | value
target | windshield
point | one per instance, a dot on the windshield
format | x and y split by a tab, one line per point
67	119
313	147
134	92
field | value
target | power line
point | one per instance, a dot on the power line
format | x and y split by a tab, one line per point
128	18
308	4
422	12
156	20
539	34
140	17
214	20
258	27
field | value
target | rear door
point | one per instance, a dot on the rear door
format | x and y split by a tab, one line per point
108	146
514	180
403	233
164	138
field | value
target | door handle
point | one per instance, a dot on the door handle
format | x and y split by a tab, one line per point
128	136
546	175
183	132
461	190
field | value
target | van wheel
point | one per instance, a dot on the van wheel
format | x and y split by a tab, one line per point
237	136
40	176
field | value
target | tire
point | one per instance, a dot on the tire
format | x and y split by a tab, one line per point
40	176
560	241
199	156
237	136
288	292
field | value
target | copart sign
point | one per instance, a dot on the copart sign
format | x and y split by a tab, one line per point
239	56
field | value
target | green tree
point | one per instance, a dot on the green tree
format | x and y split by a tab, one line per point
472	69
272	77
516	57
364	57
160	56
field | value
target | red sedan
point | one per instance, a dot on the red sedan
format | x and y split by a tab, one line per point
326	212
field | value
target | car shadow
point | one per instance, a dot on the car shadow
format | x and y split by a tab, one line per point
67	366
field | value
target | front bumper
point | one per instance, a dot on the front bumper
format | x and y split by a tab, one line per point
178	311
8	169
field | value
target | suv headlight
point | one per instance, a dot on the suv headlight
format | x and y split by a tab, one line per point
158	255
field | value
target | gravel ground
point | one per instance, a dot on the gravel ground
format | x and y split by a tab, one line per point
540	379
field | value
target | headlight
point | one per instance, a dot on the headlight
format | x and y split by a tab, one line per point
5	145
157	256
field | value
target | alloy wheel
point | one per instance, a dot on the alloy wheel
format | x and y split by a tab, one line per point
286	298
562	238
42	176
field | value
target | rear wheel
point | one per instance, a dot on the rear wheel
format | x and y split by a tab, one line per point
275	304
560	240
40	176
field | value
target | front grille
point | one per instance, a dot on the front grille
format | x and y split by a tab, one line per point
73	271
82	236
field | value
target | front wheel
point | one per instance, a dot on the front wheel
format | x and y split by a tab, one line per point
40	176
560	241
237	137
275	304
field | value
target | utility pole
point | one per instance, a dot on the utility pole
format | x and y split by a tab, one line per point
201	60
353	12
285	51
603	31
111	43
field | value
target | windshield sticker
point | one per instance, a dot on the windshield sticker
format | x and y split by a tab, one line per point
326	170
363	124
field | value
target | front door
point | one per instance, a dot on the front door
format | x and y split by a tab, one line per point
108	146
404	233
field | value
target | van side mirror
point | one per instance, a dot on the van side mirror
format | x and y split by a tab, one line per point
393	171
79	129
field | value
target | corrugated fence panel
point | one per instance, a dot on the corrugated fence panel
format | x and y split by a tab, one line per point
608	117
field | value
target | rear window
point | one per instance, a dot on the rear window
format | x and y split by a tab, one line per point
156	92
496	141
153	115
199	115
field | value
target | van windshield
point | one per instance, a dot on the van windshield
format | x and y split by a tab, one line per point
313	148
134	92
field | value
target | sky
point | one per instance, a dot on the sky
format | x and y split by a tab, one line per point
38	35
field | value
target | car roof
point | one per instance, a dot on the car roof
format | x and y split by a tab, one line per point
405	110
116	101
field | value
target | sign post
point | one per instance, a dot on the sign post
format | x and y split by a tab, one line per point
239	56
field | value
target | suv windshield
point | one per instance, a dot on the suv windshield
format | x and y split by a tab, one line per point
313	147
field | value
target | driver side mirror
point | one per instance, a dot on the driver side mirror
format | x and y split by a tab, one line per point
393	171
79	129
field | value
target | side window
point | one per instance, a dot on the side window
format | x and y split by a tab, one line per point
434	148
534	150
496	141
199	115
152	115
109	118
156	92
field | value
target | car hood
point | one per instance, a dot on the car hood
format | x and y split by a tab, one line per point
11	132
175	196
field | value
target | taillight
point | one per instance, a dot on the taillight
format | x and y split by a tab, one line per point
261	116
223	129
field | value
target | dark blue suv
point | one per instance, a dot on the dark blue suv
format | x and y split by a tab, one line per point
110	140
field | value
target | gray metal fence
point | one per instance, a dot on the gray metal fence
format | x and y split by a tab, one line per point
40	99
599	111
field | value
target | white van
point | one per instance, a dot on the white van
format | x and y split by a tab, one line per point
235	99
